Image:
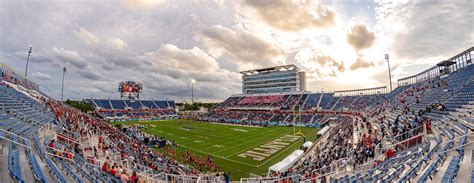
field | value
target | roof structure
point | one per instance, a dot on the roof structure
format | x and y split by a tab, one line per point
270	69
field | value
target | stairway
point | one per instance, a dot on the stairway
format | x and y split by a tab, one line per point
4	176
26	171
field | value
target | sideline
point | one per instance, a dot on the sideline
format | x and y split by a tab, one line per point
229	124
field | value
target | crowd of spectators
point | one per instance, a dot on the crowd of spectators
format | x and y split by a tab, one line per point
291	102
136	113
338	147
113	141
256	100
260	117
135	132
16	79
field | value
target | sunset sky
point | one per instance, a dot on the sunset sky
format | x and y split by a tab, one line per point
165	44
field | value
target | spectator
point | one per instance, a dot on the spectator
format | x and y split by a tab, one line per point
124	176
218	178
227	177
51	144
113	171
105	167
133	178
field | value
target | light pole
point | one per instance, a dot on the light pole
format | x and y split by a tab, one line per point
389	72
192	90
27	59
62	86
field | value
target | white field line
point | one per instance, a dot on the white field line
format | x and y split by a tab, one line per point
251	138
215	136
228	124
220	156
254	145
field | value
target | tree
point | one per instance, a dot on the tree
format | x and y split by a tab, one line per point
80	105
195	106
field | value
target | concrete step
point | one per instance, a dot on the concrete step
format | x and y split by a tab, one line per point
67	176
4	177
442	169
464	173
26	171
44	168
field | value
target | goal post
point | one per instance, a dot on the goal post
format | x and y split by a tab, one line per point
297	116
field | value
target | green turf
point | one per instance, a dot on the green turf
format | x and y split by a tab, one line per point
225	142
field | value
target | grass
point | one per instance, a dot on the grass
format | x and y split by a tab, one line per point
226	142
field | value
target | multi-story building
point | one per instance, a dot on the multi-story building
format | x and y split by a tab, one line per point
286	78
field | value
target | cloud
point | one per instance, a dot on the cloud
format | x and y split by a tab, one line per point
164	45
117	43
291	15
41	76
170	56
327	61
143	3
86	36
68	56
90	74
361	63
240	46
427	28
360	37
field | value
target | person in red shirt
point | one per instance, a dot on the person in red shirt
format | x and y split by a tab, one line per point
313	177
51	144
113	171
427	125
105	167
133	178
101	139
389	153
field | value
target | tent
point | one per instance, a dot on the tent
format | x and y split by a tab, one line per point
307	144
284	164
323	131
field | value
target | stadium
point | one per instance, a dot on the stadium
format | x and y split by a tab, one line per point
274	125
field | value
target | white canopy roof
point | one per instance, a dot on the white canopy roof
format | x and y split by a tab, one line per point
324	130
307	144
284	164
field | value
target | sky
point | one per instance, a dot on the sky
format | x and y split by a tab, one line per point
165	44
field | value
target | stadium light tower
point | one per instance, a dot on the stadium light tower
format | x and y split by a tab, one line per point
27	59
62	86
389	72
192	90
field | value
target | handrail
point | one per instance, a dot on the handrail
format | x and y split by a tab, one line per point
15	142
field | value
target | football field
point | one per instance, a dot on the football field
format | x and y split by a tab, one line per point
243	150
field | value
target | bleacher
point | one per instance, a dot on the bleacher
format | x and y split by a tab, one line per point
117	109
326	100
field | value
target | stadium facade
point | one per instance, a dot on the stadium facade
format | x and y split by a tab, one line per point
279	79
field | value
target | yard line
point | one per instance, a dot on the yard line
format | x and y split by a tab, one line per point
222	139
214	136
241	140
270	134
235	125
